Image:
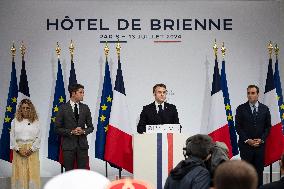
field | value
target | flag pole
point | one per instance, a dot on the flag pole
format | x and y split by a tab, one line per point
23	50
270	48
13	52
106	50
58	51
118	48
276	51
71	49
215	49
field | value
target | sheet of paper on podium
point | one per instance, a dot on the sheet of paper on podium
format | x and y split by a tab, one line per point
165	128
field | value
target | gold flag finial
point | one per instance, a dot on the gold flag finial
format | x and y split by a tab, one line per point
58	50
118	48
106	49
13	51
23	50
223	50
71	49
215	49
270	48
276	50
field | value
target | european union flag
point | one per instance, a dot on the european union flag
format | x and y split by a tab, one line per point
233	135
54	140
9	116
104	114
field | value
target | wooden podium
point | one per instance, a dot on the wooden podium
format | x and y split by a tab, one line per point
156	154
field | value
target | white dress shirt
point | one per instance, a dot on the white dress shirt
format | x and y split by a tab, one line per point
73	105
157	106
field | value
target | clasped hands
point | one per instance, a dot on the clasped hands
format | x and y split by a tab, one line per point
254	142
77	131
25	152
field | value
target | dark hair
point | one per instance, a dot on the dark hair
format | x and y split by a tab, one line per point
159	85
235	174
199	146
74	88
253	86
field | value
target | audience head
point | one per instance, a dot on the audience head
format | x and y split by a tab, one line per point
78	178
199	146
235	174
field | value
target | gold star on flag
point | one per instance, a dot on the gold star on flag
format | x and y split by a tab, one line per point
282	116
14	100
103	118
9	108
53	119
229	117
109	99
104	107
56	109
282	106
278	97
106	128
228	107
61	99
7	119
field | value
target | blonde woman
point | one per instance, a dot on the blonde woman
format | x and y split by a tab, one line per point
25	143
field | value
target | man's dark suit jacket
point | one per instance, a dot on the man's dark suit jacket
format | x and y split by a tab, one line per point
249	128
274	185
66	121
245	125
149	116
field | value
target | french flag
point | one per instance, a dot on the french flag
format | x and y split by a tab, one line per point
274	143
218	127
118	146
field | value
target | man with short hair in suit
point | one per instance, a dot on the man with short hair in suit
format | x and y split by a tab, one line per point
253	123
158	112
74	122
280	183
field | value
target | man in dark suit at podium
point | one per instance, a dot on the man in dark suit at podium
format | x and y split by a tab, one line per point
277	184
253	123
159	111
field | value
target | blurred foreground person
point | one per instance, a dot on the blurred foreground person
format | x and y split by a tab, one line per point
78	178
235	174
191	173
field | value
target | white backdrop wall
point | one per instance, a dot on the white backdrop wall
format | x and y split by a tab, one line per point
185	67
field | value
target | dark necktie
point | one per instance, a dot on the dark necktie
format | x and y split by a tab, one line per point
160	109
76	112
254	113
